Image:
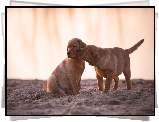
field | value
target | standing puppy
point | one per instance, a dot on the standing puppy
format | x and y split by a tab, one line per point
109	63
65	79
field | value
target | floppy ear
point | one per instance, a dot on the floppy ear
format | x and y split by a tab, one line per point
95	56
81	51
82	44
94	49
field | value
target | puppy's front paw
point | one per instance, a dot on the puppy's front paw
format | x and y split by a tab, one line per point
105	91
114	88
76	92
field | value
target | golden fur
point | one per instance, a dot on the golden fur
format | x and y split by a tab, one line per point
65	79
109	63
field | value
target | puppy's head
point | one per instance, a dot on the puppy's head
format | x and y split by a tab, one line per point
89	54
73	48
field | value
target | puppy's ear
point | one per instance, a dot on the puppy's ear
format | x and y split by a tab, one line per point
94	49
81	51
82	44
94	55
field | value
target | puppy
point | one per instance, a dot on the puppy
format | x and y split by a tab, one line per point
109	63
66	78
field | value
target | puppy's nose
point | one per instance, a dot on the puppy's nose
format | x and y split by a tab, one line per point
68	53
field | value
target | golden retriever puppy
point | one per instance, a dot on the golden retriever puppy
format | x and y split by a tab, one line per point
109	63
65	79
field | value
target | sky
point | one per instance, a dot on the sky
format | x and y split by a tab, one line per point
37	38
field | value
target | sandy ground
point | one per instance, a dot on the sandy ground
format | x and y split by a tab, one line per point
29	97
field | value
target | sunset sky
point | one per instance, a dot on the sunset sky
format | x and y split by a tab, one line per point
37	38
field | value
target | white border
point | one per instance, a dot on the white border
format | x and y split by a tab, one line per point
72	2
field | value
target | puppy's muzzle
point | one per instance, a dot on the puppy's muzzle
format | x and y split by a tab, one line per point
68	53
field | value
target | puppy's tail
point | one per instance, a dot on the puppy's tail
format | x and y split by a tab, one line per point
132	49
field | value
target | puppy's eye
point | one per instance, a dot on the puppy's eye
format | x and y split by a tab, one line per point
74	46
91	53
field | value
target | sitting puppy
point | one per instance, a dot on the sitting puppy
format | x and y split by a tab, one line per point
109	63
65	79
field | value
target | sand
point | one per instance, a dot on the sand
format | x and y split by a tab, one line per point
29	97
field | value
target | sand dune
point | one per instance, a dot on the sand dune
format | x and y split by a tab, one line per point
29	97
